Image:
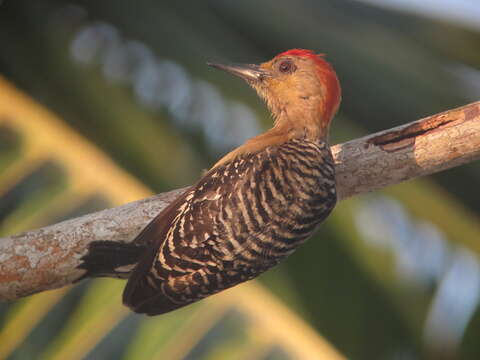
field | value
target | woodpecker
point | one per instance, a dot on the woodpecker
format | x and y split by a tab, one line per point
254	207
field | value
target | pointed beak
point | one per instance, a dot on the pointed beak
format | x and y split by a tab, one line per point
248	72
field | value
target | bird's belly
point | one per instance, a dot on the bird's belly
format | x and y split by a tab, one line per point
298	219
278	227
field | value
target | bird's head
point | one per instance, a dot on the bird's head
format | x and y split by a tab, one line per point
300	88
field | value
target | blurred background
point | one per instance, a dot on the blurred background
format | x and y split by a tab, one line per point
133	109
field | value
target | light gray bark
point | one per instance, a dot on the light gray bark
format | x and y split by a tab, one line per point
48	258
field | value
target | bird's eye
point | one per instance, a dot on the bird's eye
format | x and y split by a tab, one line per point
286	66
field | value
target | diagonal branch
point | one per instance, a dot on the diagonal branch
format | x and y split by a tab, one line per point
48	258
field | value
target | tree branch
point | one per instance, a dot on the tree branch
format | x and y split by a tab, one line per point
48	258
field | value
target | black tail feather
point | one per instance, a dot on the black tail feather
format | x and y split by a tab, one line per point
111	259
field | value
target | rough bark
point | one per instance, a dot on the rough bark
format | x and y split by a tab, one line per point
48	258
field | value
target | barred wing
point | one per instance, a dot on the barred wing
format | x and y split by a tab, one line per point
238	221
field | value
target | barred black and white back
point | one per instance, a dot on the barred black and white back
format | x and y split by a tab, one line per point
239	220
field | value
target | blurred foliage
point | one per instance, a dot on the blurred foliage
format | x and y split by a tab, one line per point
371	301
88	320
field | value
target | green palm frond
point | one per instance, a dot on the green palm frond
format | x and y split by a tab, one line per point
266	324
